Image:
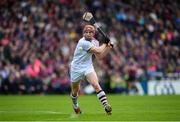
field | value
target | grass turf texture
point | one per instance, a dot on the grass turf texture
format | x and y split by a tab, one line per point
59	108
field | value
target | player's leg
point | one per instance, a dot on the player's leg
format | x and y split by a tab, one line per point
92	78
75	87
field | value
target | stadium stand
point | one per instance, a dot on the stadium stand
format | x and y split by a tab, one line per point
37	39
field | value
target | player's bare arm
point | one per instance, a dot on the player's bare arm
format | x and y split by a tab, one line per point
101	51
105	51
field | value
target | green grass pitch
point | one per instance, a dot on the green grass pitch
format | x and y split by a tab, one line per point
59	108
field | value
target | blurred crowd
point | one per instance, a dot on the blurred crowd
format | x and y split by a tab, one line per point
38	37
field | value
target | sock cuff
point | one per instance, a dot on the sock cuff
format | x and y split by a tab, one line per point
101	94
99	91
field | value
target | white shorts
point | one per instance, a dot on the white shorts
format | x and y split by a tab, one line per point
76	76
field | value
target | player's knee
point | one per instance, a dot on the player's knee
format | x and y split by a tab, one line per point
96	87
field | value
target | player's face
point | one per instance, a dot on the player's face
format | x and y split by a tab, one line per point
88	34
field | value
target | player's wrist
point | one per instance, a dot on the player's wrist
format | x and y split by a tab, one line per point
110	45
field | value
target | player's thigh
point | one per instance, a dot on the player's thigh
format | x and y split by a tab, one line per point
93	80
92	77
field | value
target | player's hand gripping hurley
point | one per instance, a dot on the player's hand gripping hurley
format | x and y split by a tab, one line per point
88	17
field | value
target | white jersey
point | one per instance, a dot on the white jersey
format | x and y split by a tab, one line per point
82	58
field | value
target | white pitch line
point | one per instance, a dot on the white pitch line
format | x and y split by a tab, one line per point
31	111
86	121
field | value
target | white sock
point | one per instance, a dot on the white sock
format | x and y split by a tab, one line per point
102	97
74	100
